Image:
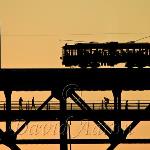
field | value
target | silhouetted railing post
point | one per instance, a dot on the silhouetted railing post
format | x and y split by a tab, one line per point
102	105
71	106
4	106
47	106
138	105
28	105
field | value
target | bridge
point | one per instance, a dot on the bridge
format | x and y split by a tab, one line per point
64	83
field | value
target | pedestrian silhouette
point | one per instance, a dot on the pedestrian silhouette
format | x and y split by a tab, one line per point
33	104
126	106
20	103
106	102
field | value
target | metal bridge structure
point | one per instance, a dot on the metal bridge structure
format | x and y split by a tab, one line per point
64	83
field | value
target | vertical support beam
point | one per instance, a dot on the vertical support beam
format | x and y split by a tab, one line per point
117	107
63	125
8	108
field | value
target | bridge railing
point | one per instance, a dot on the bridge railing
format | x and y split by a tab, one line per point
26	105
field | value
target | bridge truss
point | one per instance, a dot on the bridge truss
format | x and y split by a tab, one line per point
64	83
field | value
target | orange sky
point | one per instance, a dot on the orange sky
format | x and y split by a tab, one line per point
33	32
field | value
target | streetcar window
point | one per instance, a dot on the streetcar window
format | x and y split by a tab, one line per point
67	53
74	52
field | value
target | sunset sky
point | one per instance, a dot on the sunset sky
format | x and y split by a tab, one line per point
34	31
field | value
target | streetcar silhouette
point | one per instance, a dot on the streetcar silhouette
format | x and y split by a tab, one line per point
95	55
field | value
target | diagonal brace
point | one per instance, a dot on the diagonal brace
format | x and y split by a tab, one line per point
80	102
127	130
134	124
40	108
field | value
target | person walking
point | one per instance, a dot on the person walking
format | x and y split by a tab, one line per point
33	104
106	102
126	106
20	103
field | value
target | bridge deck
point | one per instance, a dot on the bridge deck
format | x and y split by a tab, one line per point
86	79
